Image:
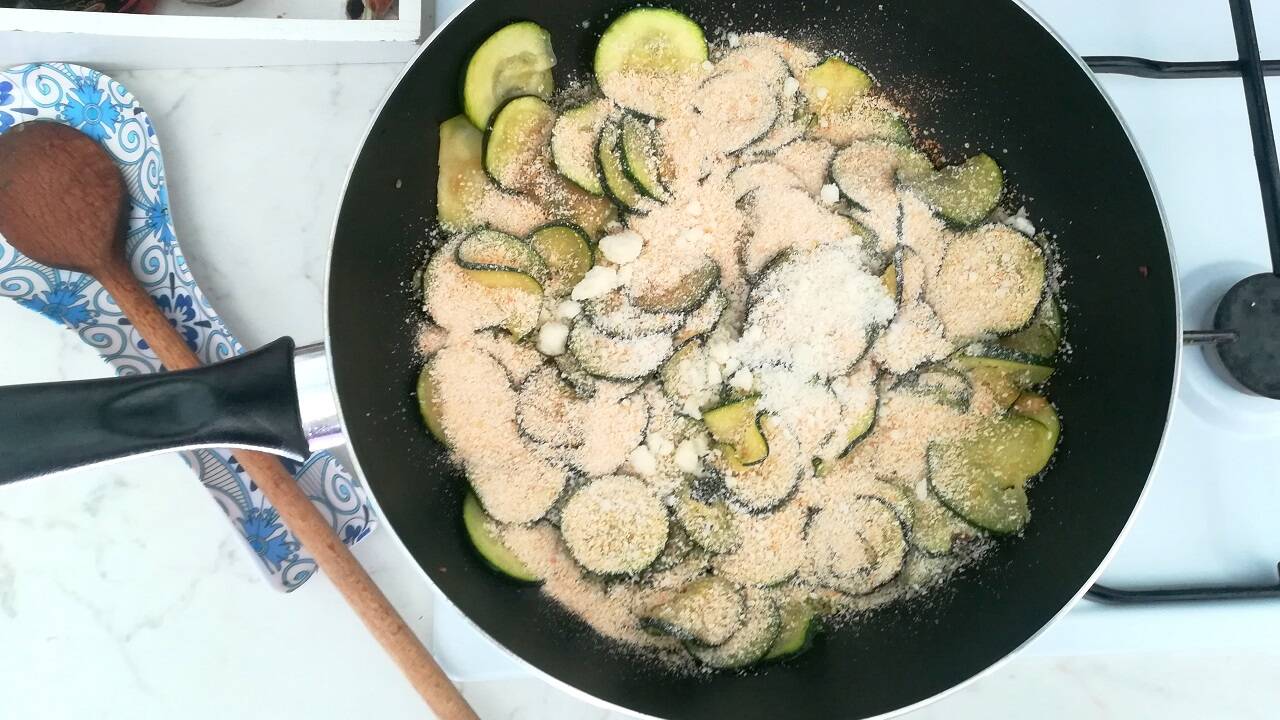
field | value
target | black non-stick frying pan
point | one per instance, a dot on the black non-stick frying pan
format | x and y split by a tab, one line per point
983	72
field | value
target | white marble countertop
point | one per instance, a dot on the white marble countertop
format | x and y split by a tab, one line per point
124	593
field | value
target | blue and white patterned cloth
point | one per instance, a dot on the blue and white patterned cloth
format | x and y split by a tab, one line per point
104	110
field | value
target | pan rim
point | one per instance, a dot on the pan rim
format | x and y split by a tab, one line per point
989	669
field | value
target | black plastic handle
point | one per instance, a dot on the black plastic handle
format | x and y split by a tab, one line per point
249	401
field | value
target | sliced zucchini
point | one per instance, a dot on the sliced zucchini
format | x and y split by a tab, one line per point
642	159
613	422
512	482
762	486
481	532
684	376
800	624
615	314
809	159
760	625
771	550
573	144
864	122
993	261
857	546
515	60
1022	370
614	525
616	358
752	176
548	411
708	611
490	250
943	385
983	479
703	319
677	549
890	280
711	525
429	403
778	210
515	140
963	194
643	44
518	359
868	170
736	427
461	181
584	384
567	254
566	203
936	528
805	279
834	86
613	175
1037	408
1043	335
861	406
464	300
745	106
682	296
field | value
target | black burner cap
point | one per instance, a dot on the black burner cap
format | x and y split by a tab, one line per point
1252	310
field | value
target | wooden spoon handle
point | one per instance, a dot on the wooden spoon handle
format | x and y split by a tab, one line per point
302	518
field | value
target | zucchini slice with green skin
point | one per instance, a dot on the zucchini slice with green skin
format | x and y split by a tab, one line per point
765	485
800	624
488	545
548	411
747	103
486	250
736	427
935	528
642	159
614	358
1022	369
771	549
760	625
708	611
857	546
615	314
614	525
1043	335
613	176
429	403
678	547
465	300
963	194
462	180
983	479
710	525
567	254
992	261
515	60
684	376
573	144
514	140
863	122
647	43
946	386
834	86
704	318
1037	408
686	294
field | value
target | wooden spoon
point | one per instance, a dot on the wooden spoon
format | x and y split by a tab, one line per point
63	203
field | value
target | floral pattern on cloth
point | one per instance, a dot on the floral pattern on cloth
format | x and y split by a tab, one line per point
104	110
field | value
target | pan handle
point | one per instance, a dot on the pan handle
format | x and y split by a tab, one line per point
249	401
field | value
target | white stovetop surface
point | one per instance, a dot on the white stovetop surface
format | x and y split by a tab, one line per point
125	594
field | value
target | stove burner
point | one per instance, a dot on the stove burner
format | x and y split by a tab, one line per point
1252	310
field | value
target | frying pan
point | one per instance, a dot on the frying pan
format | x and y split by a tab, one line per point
983	72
